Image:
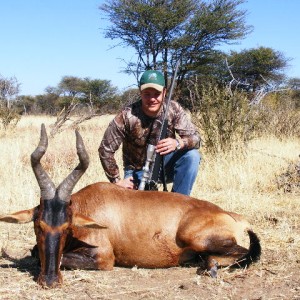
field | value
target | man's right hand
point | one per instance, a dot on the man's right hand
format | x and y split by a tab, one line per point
127	183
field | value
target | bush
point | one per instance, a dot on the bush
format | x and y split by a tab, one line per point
282	115
9	117
289	181
223	117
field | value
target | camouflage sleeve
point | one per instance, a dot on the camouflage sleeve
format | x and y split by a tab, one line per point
112	139
186	130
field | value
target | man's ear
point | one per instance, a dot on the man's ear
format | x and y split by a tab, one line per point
83	221
20	217
164	91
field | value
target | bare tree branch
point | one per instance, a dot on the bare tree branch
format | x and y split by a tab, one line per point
259	94
66	116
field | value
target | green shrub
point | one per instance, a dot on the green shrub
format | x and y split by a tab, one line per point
9	117
223	117
282	115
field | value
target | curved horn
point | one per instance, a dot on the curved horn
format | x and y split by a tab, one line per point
65	188
46	185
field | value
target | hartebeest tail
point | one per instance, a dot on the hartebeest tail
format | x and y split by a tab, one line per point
103	225
253	254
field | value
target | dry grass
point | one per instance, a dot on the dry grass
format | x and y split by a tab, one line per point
244	181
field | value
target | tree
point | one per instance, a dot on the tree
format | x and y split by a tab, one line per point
294	83
82	99
162	31
257	67
98	91
48	103
27	104
9	89
86	90
71	86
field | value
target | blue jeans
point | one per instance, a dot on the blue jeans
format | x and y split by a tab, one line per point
181	168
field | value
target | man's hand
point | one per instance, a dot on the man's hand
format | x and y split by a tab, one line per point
127	183
166	146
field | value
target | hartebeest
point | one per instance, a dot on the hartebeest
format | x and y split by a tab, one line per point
103	225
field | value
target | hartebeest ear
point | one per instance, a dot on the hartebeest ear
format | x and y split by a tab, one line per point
23	216
83	221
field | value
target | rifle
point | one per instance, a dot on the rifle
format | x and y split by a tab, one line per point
154	161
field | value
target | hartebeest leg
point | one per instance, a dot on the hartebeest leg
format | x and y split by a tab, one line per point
216	240
222	249
75	260
96	258
228	259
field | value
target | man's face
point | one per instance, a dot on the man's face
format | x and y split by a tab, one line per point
152	101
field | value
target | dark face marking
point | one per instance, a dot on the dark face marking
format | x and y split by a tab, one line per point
52	242
51	231
55	212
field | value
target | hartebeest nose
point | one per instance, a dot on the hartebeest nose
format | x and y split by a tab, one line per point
50	281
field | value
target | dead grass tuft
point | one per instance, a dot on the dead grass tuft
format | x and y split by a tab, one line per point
289	181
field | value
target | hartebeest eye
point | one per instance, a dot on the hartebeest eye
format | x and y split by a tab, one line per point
43	226
64	226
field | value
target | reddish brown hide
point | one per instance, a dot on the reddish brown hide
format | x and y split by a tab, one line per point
104	225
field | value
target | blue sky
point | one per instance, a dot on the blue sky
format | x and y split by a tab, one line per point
44	40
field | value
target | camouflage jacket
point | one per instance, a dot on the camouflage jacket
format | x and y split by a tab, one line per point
132	128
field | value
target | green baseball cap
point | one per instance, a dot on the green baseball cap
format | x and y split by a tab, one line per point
152	79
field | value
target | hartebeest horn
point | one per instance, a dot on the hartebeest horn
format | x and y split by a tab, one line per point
65	188
45	183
